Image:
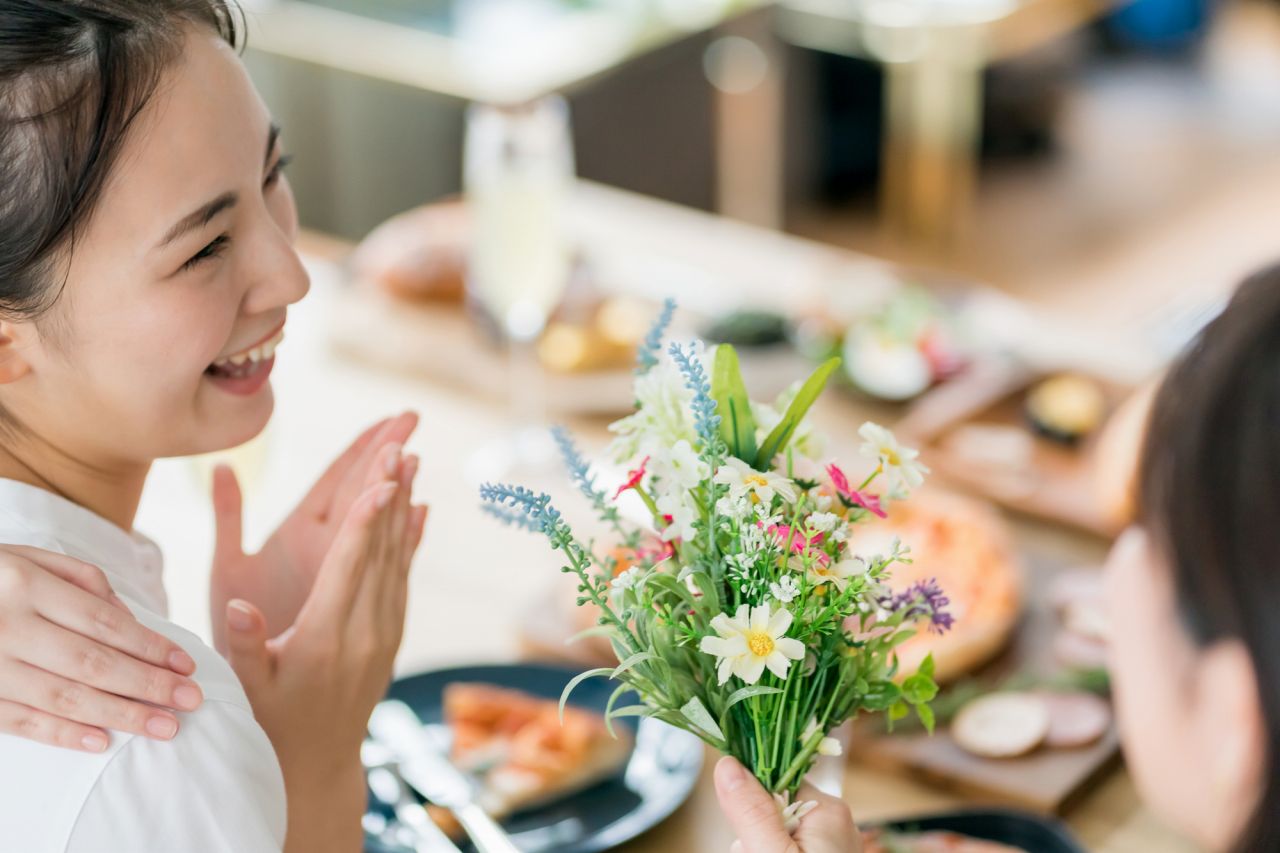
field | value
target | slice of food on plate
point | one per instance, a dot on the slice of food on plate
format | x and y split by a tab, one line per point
521	755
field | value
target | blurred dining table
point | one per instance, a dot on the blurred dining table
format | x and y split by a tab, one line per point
474	580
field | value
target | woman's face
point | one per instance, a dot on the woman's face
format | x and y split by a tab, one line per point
1188	716
186	268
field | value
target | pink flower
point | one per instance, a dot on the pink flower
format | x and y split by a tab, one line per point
799	542
633	478
869	502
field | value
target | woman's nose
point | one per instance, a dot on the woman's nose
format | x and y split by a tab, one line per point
278	275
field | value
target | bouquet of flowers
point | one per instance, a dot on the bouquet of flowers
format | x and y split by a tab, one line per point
742	611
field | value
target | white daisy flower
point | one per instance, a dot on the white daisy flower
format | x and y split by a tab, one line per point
752	640
744	480
837	574
902	469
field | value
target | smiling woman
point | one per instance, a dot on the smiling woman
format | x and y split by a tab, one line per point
146	269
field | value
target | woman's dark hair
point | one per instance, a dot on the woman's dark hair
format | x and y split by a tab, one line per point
74	75
1209	493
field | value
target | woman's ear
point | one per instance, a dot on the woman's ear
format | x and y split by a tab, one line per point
13	340
1232	735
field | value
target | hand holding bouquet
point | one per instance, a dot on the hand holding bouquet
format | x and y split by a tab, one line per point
742	612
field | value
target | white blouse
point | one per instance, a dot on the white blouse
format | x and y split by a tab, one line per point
216	787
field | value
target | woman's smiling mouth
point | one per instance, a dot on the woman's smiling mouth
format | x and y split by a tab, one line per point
245	372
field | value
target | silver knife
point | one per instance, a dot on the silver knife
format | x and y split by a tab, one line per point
424	766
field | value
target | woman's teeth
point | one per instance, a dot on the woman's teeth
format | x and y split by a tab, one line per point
246	362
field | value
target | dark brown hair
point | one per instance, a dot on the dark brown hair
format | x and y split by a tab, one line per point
74	75
1209	494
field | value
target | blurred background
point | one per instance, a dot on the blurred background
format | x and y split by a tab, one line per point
1029	143
1005	215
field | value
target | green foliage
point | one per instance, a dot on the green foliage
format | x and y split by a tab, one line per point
776	441
737	424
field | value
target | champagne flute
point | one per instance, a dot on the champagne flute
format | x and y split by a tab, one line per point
518	173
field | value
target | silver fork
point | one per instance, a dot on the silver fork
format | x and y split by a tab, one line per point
389	787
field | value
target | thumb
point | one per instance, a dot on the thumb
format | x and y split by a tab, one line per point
752	812
227	509
247	644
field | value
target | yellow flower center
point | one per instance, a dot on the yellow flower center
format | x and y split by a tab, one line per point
755	480
760	643
891	457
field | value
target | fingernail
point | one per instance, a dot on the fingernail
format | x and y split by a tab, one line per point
181	661
94	743
731	773
162	727
239	617
383	497
187	697
392	462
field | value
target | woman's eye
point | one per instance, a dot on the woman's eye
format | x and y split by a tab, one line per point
273	176
215	248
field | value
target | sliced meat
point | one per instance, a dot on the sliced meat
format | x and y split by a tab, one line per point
1076	718
1001	725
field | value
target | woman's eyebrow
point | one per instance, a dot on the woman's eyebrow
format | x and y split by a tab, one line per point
199	218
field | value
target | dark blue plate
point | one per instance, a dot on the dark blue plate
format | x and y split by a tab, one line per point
1024	831
657	779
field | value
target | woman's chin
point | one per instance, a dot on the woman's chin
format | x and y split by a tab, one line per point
235	423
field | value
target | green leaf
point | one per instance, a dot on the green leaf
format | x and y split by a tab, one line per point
737	425
608	708
666	583
926	665
925	713
881	695
897	711
919	689
746	693
808	394
575	681
638	657
696	713
631	711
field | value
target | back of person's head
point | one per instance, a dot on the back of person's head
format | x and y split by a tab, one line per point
74	75
1209	495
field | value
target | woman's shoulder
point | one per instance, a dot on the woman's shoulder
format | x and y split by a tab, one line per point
216	786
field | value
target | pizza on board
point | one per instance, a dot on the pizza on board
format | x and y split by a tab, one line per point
514	745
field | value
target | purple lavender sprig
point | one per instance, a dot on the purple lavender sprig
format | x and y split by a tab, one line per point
923	599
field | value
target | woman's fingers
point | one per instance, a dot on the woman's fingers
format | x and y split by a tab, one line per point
30	724
829	828
368	462
247	650
92	617
79	703
340	574
87	576
752	812
228	503
56	650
